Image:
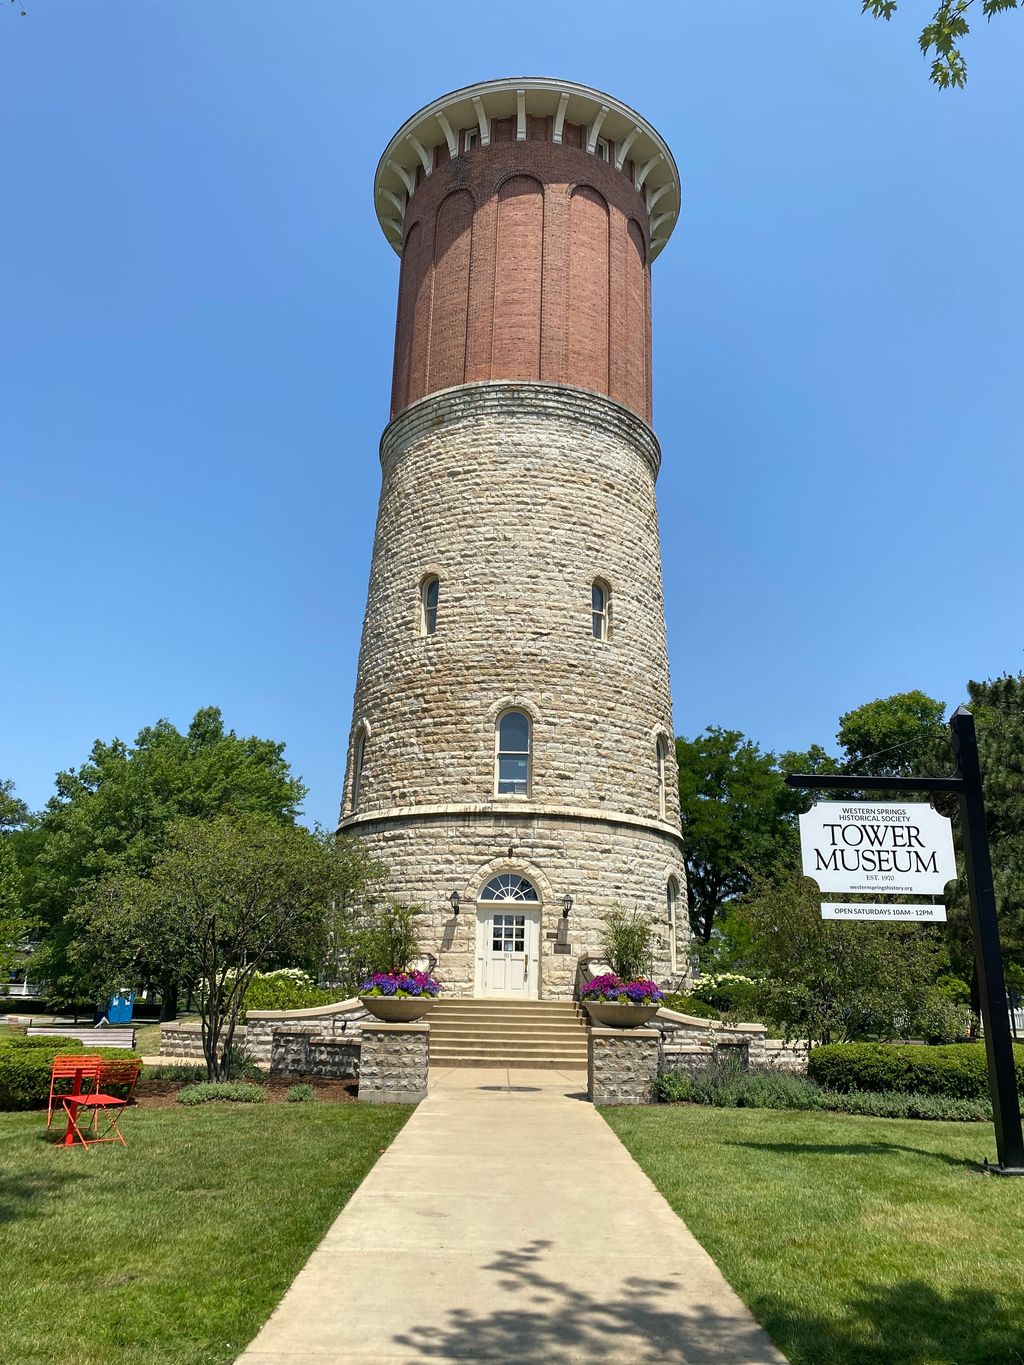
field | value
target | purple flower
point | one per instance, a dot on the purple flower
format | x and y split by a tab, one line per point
613	988
400	983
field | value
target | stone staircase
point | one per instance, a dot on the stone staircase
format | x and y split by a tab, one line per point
523	1033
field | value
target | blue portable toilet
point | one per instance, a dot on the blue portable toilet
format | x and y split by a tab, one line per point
119	1009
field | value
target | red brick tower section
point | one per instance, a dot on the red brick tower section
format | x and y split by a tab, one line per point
527	214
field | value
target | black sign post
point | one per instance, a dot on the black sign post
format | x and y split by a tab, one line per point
984	924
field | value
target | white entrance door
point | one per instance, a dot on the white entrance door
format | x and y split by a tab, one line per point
508	946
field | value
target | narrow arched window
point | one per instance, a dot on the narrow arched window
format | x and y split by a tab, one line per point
430	589
662	776
358	762
601	610
671	900
513	739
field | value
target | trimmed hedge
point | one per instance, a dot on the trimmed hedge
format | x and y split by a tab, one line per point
25	1068
51	1043
727	1086
957	1072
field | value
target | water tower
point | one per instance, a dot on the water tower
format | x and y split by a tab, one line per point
511	753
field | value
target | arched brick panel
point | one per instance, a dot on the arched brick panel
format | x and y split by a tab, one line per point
634	317
453	241
517	279
588	321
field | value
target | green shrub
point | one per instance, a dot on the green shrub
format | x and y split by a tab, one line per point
627	944
301	1094
287	990
25	1070
942	1019
726	1085
729	992
690	1004
44	1043
888	1104
237	1092
957	1072
181	1071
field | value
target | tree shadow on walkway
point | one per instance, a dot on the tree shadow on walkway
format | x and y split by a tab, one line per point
553	1322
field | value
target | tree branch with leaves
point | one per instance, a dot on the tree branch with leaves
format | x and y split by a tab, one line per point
943	34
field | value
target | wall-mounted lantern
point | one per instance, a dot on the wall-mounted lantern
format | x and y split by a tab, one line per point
566	905
454	901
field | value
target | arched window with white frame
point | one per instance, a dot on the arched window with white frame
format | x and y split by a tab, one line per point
600	610
513	754
430	592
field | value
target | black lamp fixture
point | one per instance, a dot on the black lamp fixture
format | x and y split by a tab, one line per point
566	905
454	901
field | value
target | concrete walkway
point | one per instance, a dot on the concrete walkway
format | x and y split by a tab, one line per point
508	1223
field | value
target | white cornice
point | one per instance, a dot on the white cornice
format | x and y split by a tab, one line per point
475	106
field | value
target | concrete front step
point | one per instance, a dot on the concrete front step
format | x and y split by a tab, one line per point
541	1033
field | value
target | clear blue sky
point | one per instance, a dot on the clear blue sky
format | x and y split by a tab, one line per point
196	329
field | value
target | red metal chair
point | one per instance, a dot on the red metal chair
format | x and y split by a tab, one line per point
81	1069
123	1076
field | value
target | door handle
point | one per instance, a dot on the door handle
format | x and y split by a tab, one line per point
526	964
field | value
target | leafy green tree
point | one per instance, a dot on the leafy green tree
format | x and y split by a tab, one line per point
998	707
223	898
112	815
13	924
738	819
943	34
831	981
896	736
13	811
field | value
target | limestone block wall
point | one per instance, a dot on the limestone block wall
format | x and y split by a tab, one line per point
622	1064
334	1023
394	1062
603	865
688	1043
305	1054
186	1041
517	496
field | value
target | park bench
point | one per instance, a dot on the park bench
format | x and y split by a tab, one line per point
88	1037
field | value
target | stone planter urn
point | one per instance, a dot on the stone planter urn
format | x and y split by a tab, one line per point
613	1015
397	1009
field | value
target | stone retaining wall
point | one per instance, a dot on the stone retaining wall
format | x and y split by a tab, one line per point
186	1041
302	1054
622	1064
335	1023
688	1042
394	1062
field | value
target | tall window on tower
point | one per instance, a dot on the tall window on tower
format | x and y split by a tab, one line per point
513	744
601	610
429	591
662	776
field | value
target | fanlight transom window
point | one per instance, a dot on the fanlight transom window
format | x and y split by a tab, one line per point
509	887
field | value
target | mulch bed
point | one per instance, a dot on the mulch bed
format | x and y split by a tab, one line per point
157	1094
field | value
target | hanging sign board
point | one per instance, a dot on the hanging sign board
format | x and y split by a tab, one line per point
895	914
863	847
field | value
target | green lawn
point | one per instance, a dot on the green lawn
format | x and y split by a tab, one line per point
855	1241
174	1250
